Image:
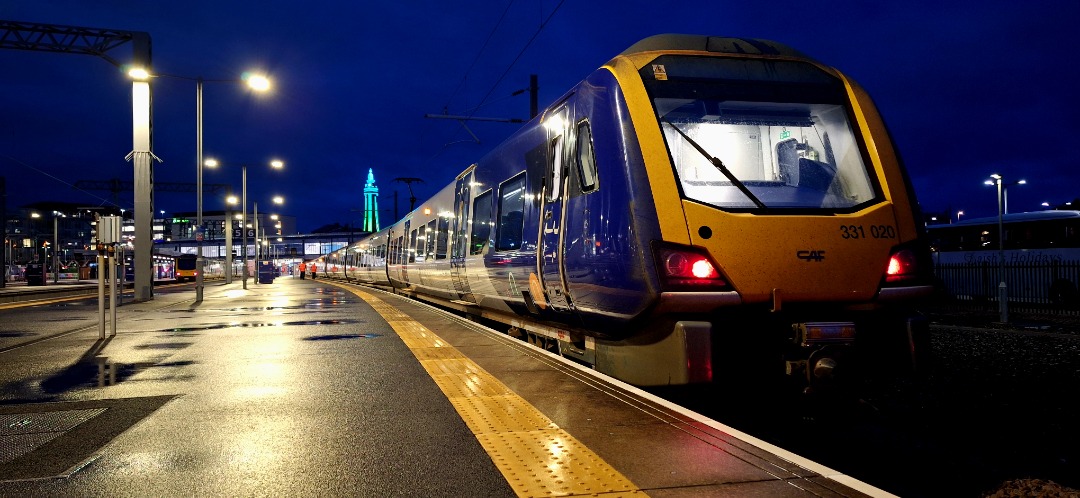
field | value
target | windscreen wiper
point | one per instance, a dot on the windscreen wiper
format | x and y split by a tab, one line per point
716	162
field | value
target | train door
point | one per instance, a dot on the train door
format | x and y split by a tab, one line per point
406	252
549	249
459	245
391	257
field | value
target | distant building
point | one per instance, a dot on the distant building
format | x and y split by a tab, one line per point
31	231
182	225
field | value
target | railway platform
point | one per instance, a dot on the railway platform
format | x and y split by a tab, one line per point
302	387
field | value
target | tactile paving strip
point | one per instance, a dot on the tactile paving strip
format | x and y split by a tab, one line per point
500	414
552	463
536	457
462	385
437	354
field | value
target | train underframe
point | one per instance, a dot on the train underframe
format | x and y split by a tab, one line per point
813	349
755	348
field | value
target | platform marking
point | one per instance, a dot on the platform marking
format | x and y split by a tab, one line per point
42	302
536	457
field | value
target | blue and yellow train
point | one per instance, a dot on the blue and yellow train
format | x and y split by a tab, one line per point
698	207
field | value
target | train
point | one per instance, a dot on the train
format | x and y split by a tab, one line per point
698	209
186	267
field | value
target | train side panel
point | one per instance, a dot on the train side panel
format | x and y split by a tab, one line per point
610	216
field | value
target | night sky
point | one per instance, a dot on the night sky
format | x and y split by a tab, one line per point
967	89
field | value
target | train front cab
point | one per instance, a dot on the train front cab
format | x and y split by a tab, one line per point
789	237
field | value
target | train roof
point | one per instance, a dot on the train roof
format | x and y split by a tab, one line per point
718	44
1015	218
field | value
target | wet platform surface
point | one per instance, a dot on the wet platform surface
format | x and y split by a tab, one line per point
304	387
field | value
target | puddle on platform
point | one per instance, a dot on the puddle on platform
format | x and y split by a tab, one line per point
311	303
99	371
164	345
330	291
214	326
334	337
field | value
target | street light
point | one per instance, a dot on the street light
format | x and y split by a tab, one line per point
1003	301
277	199
276	164
256	82
56	245
231	200
1005	193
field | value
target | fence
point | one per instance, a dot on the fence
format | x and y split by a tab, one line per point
1040	287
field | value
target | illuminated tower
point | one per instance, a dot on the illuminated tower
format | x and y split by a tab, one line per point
371	204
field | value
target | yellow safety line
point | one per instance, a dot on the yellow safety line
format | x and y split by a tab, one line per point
39	302
536	457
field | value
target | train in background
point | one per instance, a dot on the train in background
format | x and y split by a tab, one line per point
1041	252
697	209
186	267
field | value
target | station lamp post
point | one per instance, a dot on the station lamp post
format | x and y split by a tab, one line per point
277	199
54	245
1003	294
276	164
256	82
231	200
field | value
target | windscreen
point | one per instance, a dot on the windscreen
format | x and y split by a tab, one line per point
759	135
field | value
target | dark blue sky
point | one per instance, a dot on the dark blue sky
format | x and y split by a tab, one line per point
967	88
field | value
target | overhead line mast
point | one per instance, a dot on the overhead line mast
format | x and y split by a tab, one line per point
95	41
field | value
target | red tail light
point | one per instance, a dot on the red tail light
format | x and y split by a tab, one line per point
903	265
687	268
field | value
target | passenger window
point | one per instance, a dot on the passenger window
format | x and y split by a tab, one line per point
430	240
511	214
556	168
443	238
421	243
586	162
481	223
557	125
410	251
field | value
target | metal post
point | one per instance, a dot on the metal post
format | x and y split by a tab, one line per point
56	249
114	267
141	155
1003	293
5	256
199	261
256	205
122	281
101	286
243	222
228	246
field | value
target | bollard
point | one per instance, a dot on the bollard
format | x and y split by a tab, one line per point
1003	302
101	291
